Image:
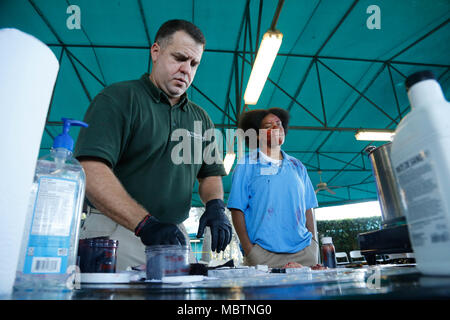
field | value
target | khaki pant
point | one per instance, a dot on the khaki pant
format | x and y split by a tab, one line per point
306	257
131	250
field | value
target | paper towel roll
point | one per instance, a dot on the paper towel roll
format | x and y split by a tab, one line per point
28	71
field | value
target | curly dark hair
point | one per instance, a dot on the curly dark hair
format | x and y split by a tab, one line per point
252	119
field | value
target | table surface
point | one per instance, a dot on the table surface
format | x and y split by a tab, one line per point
368	282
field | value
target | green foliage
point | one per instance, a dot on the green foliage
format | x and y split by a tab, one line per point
345	232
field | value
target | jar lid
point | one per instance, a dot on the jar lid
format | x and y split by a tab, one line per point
99	242
109	243
327	240
417	77
166	247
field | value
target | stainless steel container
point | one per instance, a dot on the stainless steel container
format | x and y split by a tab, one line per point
387	187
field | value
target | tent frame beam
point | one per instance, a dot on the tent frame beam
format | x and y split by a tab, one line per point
308	56
315	59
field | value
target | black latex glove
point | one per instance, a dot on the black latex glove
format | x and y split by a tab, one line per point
153	232
215	218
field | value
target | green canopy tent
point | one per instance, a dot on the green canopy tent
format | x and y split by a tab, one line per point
334	72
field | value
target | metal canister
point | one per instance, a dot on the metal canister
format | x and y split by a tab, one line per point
388	191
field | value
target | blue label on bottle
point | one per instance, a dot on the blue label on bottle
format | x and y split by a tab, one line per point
45	260
49	241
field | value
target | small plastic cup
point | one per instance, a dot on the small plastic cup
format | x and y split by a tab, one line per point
98	255
166	261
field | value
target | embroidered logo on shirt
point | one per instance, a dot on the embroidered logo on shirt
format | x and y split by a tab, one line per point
195	135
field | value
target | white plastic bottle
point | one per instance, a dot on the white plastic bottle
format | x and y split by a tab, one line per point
49	246
421	159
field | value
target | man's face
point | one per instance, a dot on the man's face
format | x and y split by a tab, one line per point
175	64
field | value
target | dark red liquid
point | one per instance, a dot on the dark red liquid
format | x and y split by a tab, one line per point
329	256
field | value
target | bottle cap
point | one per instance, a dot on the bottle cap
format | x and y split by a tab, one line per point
64	140
327	240
417	77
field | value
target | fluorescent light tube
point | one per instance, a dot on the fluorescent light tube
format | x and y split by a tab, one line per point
373	135
228	162
267	53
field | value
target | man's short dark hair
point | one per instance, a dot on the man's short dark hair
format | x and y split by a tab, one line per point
253	119
168	28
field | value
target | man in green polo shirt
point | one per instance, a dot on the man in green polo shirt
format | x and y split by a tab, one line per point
139	191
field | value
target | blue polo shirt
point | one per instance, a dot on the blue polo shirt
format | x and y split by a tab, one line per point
274	200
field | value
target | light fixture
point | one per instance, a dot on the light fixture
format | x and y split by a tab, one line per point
267	52
374	135
228	161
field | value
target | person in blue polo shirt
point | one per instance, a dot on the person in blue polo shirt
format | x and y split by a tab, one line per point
272	196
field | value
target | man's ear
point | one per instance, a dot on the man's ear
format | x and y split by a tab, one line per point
155	51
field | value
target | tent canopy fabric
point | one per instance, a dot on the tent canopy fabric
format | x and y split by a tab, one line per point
334	72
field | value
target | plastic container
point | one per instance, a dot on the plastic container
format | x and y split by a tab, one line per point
420	155
166	261
50	240
98	255
328	253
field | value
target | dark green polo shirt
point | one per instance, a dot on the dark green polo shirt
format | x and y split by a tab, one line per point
148	143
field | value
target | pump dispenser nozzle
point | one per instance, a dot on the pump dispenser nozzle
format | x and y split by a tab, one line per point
64	140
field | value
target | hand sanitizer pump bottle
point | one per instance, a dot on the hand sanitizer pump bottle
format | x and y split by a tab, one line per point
49	246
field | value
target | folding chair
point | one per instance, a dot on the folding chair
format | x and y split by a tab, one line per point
357	257
341	258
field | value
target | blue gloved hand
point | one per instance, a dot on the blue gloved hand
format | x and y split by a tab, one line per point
153	232
214	217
